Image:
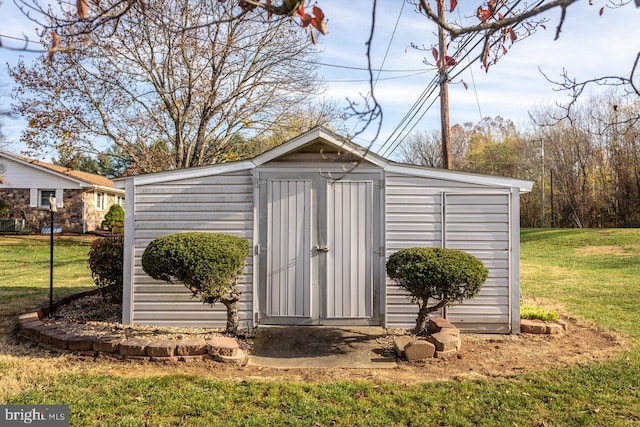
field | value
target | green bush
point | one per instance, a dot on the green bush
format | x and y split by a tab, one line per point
532	312
437	275
114	219
208	264
5	208
105	261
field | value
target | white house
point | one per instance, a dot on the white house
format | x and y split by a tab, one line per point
322	215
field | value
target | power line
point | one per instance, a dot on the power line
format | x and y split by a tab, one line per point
417	106
348	67
373	84
393	34
392	145
380	79
473	80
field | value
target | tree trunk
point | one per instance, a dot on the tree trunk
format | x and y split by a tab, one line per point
423	314
421	321
233	317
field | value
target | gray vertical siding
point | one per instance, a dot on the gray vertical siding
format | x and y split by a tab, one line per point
288	248
477	223
413	218
223	204
350	241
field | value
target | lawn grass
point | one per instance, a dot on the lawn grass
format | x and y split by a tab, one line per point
595	274
24	269
600	394
588	272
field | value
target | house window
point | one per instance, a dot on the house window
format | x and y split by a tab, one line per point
101	201
119	200
44	198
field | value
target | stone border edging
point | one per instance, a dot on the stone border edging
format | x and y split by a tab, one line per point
536	326
443	342
222	349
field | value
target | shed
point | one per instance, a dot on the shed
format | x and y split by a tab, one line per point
322	215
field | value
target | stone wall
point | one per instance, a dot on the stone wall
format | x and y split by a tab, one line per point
69	217
92	216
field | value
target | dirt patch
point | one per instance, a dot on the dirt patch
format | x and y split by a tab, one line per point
623	251
481	355
92	316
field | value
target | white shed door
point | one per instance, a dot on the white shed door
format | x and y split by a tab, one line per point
317	251
288	248
350	242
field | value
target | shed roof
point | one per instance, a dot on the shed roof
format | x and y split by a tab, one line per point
328	137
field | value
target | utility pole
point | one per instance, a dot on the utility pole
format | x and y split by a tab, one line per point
542	182
444	90
553	218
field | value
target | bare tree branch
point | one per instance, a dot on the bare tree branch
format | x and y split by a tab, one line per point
182	97
497	24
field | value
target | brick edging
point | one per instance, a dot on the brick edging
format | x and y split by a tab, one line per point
442	342
535	326
30	326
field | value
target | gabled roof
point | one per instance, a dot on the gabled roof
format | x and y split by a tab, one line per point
328	137
85	179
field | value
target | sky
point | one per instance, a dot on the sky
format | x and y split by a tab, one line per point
589	46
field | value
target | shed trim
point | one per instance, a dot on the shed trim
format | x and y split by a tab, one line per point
190	173
128	255
319	133
514	267
468	178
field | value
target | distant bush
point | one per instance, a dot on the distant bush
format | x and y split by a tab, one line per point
114	219
5	208
26	231
106	257
437	275
208	264
532	312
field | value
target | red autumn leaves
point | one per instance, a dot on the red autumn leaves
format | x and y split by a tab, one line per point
449	61
315	19
485	13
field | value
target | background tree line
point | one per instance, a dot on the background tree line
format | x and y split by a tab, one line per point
585	163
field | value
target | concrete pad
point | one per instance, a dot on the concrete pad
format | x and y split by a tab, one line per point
292	347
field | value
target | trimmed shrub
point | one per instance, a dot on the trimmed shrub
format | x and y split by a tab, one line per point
437	275
208	264
114	219
106	257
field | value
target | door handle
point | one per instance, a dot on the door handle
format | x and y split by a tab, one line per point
322	248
